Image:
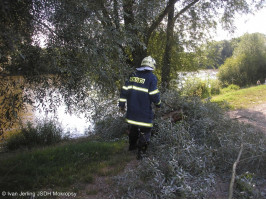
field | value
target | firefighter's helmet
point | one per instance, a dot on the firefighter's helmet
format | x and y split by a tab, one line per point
149	61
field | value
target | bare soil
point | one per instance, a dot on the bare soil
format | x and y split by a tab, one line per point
103	187
256	116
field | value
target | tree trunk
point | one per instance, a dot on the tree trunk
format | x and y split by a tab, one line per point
139	52
166	69
168	48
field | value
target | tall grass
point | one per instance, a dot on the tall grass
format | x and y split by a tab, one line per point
43	134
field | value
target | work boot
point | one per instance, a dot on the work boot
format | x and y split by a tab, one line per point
139	155
141	152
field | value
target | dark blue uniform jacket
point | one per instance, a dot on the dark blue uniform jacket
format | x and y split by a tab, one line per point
139	92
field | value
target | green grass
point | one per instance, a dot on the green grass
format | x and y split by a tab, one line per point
243	98
61	166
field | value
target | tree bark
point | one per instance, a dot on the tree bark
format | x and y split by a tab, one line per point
159	19
138	53
166	68
168	48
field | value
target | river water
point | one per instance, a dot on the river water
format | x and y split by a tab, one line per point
205	75
74	125
79	125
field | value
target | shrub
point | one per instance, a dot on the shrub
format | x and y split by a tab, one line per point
247	65
245	186
186	157
200	88
195	87
215	87
111	127
44	133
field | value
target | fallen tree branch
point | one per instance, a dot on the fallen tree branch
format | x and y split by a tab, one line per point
231	187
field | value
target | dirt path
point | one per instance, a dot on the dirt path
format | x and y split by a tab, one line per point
255	116
103	186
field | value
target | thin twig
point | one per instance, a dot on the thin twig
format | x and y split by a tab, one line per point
251	157
231	187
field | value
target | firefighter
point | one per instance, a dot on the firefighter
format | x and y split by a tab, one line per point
139	92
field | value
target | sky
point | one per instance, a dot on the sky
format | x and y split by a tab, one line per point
245	24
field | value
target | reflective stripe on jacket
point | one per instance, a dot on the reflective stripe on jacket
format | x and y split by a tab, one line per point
139	92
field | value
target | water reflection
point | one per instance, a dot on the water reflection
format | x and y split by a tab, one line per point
73	124
204	75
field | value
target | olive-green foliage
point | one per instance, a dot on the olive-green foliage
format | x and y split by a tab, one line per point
11	101
186	157
248	63
43	134
215	53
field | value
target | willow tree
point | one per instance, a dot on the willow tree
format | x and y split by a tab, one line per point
114	35
100	42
